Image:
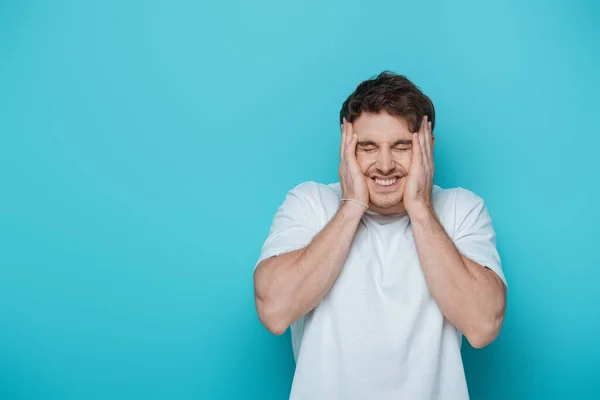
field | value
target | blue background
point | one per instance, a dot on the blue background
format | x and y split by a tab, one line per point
145	147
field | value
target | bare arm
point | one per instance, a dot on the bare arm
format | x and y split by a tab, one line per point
472	297
290	285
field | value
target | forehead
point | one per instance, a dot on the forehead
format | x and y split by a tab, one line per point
381	127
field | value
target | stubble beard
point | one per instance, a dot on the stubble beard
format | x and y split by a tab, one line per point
387	200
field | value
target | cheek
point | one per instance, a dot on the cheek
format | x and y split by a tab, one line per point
404	160
363	161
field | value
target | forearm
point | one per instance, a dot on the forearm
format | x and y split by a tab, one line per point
469	295
290	285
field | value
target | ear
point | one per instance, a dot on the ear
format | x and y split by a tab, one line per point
432	140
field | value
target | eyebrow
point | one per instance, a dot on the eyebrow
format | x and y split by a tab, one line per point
396	143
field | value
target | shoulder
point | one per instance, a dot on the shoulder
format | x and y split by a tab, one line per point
317	192
455	205
467	197
468	203
443	199
318	200
458	197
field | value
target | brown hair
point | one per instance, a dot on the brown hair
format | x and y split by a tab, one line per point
393	93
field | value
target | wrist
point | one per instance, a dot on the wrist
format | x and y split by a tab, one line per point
351	209
421	212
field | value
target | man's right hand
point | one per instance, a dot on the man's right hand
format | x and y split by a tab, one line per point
352	180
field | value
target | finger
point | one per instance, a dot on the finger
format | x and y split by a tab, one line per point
350	129
423	125
343	140
428	152
416	150
422	136
351	147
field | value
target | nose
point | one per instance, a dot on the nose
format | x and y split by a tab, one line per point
385	161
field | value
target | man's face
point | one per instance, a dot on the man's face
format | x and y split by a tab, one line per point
384	153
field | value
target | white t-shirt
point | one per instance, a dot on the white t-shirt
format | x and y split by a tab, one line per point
378	333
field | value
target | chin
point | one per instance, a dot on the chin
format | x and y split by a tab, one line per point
386	201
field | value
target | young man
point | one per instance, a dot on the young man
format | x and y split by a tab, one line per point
381	274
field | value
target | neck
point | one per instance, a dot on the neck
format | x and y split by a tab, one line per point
397	209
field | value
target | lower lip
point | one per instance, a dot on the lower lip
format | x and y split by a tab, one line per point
387	188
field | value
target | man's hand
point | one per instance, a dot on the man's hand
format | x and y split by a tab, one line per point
352	180
292	284
417	192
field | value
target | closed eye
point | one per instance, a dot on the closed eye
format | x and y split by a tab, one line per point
368	149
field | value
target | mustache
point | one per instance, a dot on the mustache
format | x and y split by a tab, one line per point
396	173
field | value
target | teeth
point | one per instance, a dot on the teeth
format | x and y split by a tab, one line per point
385	182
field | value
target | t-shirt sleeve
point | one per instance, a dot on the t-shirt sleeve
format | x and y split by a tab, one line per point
294	223
474	235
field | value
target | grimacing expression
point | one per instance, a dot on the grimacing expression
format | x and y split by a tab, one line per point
384	153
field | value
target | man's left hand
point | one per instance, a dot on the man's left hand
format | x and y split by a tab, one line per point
417	192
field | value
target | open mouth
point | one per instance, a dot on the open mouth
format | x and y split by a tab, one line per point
386	184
